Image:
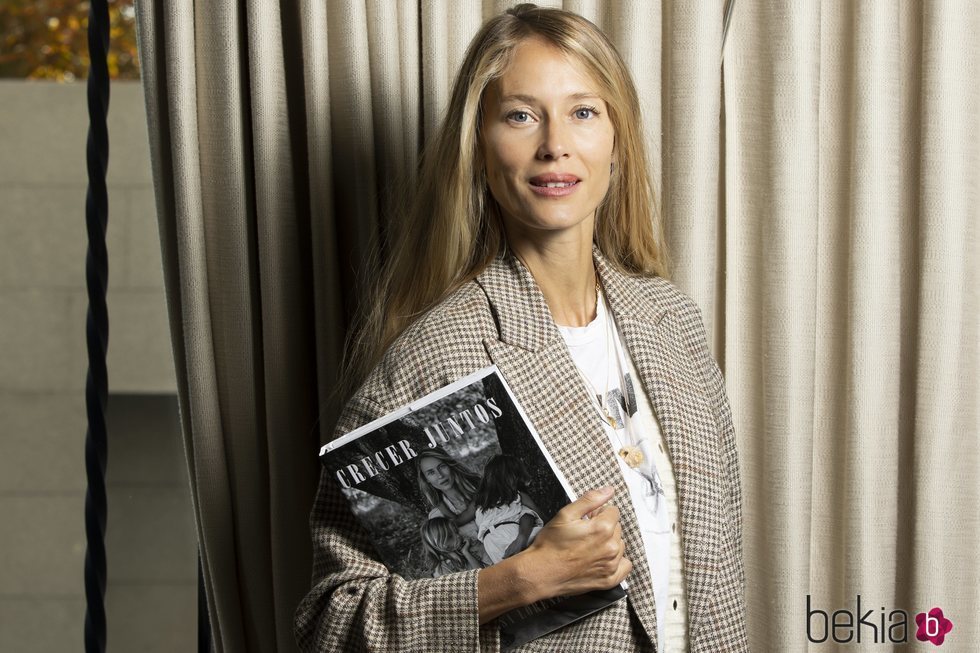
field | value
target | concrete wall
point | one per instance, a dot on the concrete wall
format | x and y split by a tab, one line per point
43	362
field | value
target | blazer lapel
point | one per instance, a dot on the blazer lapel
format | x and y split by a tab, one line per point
677	392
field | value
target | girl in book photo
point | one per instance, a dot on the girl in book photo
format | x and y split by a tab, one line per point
533	241
506	517
446	550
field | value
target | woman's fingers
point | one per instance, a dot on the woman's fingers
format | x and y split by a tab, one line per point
577	554
608	515
622	571
587	504
608	549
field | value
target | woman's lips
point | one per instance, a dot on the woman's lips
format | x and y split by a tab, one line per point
554	184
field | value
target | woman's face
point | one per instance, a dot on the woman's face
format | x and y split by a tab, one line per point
547	142
437	473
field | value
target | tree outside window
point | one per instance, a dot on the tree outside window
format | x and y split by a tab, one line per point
48	39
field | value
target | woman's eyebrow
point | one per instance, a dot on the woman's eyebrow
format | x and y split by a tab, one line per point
530	99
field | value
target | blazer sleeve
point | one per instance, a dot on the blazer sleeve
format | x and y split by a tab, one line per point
356	604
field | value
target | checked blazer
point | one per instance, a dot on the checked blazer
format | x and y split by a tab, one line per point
501	317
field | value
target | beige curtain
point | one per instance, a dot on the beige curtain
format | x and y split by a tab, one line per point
850	339
820	194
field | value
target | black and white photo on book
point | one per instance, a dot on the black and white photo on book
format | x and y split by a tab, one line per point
458	480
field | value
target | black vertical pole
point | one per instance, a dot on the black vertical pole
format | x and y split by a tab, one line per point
203	623
96	326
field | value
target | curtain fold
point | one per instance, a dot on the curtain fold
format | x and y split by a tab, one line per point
820	194
851	333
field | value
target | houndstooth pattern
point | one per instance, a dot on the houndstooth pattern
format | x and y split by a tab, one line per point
355	604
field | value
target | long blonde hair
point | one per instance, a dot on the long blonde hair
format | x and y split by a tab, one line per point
443	546
452	228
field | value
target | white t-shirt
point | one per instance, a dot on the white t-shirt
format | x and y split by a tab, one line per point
599	354
500	525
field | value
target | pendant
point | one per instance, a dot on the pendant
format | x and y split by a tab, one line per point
604	412
632	455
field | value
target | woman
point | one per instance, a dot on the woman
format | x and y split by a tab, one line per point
449	488
535	218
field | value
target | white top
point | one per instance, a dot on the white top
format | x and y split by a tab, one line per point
499	526
600	355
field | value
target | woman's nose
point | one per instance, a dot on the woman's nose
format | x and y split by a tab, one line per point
553	141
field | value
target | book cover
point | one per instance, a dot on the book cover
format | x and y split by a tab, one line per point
458	480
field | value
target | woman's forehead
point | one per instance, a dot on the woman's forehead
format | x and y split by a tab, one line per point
540	71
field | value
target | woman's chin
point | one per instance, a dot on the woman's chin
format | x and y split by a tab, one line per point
549	223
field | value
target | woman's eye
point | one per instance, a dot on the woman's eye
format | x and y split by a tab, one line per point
519	116
585	113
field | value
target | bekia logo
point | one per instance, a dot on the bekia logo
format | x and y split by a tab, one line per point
932	626
844	626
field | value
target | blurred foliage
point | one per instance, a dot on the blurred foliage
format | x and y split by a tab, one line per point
48	39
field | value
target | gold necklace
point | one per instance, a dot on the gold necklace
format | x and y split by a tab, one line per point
603	398
631	454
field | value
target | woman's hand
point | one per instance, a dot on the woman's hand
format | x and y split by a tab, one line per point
469	512
579	550
471	559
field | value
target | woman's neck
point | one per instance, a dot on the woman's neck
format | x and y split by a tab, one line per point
565	273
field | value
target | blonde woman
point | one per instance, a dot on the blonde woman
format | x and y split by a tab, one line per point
446	484
534	244
449	488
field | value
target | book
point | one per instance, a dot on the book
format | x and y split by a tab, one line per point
457	480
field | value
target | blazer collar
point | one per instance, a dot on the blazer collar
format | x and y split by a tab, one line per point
523	317
530	353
